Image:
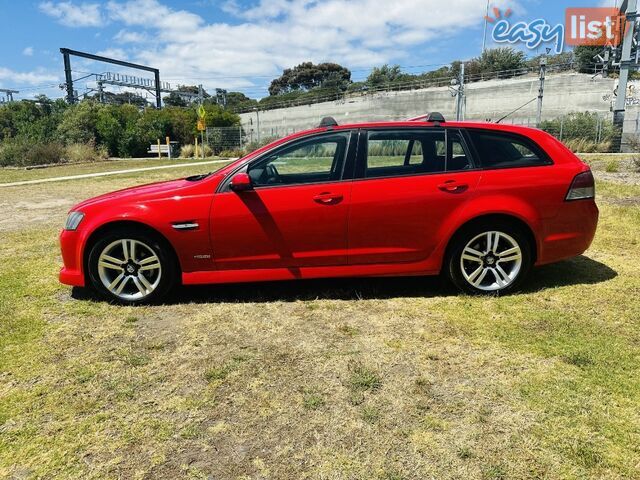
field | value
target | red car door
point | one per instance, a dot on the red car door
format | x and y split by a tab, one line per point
296	213
408	182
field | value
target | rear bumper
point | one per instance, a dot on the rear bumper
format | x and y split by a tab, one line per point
72	271
570	233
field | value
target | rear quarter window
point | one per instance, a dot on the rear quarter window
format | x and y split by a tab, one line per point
507	150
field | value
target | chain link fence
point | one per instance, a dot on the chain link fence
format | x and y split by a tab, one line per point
225	139
584	132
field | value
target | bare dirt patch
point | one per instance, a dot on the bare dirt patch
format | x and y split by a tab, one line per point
626	178
624	202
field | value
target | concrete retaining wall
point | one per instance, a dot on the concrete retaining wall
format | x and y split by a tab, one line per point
564	93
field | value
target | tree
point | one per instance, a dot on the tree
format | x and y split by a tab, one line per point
584	56
307	76
78	123
386	74
111	126
495	62
502	60
174	100
239	101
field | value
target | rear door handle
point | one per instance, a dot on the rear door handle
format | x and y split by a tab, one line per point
453	186
328	198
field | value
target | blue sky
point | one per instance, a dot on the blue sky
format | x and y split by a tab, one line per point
243	44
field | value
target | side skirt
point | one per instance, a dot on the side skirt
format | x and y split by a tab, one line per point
274	274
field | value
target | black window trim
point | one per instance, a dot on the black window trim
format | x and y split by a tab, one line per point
352	142
528	142
361	162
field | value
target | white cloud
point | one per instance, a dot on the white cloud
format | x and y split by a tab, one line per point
116	53
152	14
275	34
28	52
72	15
35	77
125	36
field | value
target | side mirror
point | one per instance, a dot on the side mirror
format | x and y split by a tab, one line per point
241	182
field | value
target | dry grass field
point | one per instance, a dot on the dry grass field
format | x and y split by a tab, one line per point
332	379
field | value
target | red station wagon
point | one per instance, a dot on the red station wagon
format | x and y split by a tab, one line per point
479	203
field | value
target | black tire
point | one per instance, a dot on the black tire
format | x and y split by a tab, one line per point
167	274
494	282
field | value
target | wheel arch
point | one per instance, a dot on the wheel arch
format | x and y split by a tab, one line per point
490	218
105	228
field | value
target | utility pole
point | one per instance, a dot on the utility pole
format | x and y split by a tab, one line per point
486	24
625	65
543	72
200	101
100	92
460	96
257	109
68	78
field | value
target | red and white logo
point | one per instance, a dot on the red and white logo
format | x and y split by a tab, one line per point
594	26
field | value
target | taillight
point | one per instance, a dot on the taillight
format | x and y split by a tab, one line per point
582	187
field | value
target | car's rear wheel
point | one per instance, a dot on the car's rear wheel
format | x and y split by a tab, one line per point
489	259
131	267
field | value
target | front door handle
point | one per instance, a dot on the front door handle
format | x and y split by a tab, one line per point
328	198
453	186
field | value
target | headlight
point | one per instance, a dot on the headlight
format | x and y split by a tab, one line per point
73	220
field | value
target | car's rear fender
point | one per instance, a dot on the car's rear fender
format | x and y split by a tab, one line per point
489	207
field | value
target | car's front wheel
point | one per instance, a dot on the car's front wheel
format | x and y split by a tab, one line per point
489	259
131	267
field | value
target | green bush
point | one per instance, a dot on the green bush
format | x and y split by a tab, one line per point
24	154
11	153
612	166
187	151
84	152
30	131
579	132
255	145
17	153
231	153
45	154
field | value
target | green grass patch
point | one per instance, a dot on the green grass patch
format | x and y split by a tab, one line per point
366	378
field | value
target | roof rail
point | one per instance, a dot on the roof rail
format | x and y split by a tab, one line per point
435	117
328	122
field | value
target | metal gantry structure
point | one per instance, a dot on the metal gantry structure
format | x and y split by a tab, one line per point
141	83
8	95
153	86
68	53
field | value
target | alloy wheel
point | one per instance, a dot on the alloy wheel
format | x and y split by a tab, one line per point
129	269
491	261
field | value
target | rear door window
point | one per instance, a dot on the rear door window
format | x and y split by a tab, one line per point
503	150
413	152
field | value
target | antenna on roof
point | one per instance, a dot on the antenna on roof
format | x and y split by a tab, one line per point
328	122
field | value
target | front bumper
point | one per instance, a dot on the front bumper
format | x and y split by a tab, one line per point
71	247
